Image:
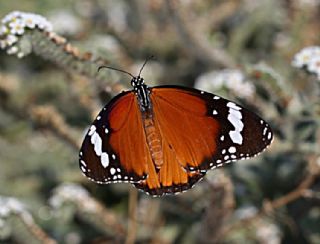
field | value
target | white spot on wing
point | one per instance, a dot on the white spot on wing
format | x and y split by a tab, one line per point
83	169
99	117
112	171
214	112
216	97
91	130
269	135
265	130
97	143
105	160
235	117
83	163
233	105
235	121
236	137
113	156
232	150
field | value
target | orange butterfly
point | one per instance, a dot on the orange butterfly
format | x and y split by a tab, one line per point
164	139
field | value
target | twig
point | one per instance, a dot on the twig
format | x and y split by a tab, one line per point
270	206
218	210
15	217
88	209
132	221
49	117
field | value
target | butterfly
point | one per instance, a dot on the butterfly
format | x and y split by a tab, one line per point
164	139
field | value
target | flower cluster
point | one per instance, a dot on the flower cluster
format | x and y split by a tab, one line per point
14	25
308	58
9	205
231	79
68	192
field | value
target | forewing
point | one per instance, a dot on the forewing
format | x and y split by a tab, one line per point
112	150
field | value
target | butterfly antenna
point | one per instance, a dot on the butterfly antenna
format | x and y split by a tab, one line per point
120	70
145	62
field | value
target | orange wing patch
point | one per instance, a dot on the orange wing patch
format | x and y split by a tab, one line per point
127	137
185	126
185	146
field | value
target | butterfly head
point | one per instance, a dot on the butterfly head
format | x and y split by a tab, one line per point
137	81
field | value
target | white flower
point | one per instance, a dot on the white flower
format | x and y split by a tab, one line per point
68	192
245	212
12	50
4	30
20	54
42	23
268	233
231	79
11	17
17	27
303	57
17	21
11	39
3	44
309	58
29	20
9	205
314	66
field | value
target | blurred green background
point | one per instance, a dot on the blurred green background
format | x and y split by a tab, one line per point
47	103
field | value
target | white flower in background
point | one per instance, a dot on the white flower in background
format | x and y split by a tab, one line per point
14	25
4	30
17	27
3	44
30	21
268	233
246	212
303	57
11	39
68	192
9	205
11	16
314	66
12	50
231	79
308	58
20	54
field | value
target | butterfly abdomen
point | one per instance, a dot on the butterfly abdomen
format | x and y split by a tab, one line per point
153	140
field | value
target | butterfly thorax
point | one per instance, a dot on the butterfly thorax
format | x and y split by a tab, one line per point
142	92
152	134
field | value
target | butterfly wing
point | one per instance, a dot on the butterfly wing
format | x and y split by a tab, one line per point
201	131
112	150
